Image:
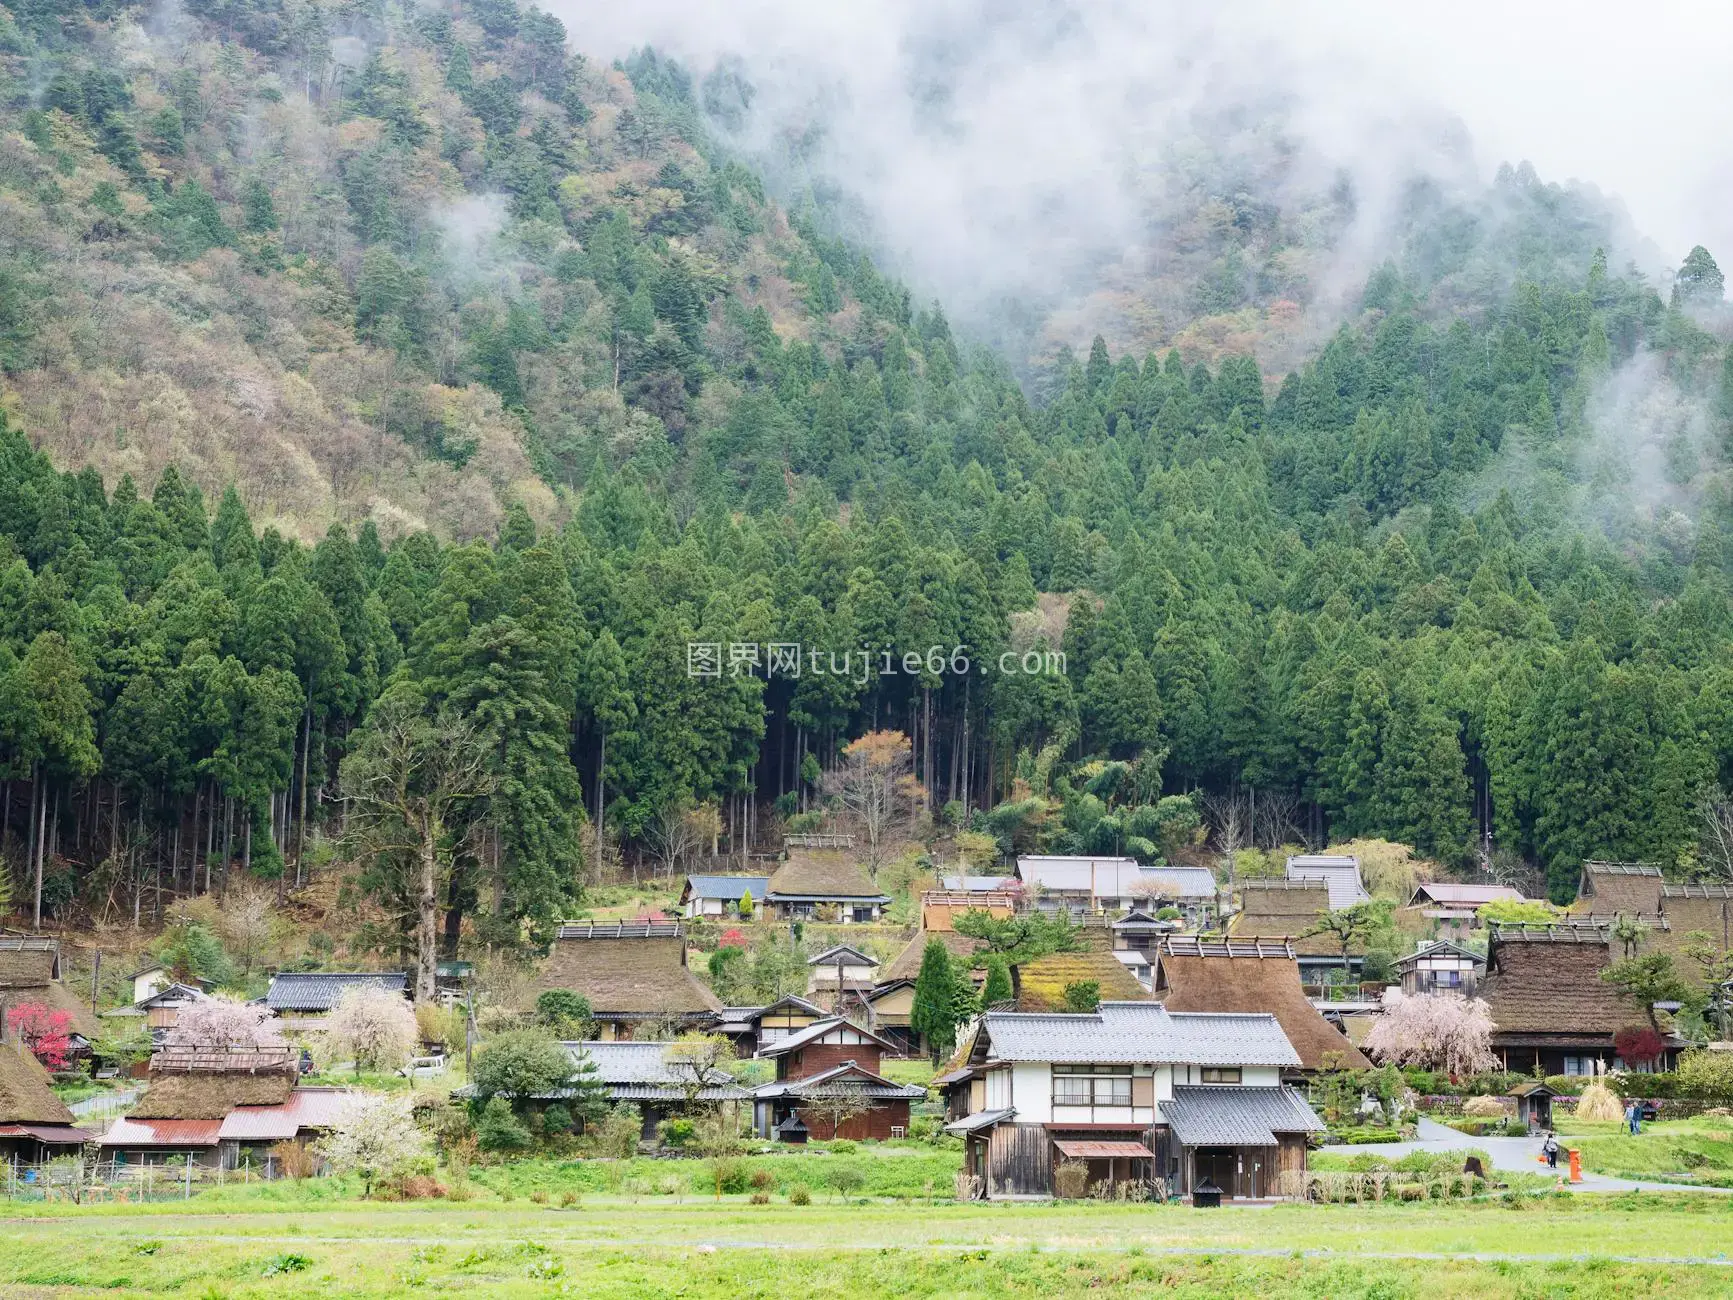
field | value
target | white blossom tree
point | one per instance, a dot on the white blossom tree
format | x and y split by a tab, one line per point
372	1026
1433	1031
376	1136
223	1022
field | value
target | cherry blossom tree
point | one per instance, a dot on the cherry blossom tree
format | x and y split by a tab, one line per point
223	1022
1433	1031
376	1136
372	1026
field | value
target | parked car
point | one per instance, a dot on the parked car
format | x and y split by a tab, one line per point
423	1067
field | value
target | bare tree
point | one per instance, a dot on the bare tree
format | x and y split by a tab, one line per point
874	781
1715	832
408	780
244	922
696	1061
674	835
1229	816
1274	817
837	1104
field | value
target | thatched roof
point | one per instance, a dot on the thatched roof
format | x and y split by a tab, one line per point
628	977
1693	910
26	964
1040	984
906	965
25	1094
1251	983
1286	909
210	1096
1621	886
822	873
1548	983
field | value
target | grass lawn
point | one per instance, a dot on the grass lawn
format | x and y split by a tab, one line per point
1700	1149
276	1242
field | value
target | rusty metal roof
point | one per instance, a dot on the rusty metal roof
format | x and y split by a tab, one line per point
1103	1150
129	1132
306	1108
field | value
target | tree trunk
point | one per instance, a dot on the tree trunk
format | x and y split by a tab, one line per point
601	795
41	828
306	744
427	916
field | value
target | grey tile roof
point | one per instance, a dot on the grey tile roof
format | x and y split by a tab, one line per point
981	1119
1139	1033
1182	882
1078	874
846	1078
727	888
844	953
635	1063
977	884
817	1030
1231	1116
320	990
1340	872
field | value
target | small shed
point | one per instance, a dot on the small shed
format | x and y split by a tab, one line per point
1534	1104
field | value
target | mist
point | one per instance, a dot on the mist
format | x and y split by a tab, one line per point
1042	161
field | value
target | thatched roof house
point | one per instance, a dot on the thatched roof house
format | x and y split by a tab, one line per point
906	965
1631	887
828	879
1292	910
34	1123
632	973
1251	976
30	973
1040	985
1549	1005
1693	913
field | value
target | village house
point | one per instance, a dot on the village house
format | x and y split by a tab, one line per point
35	1125
980	884
721	896
1693	915
1134	1092
1057	981
1256	976
940	908
1340	872
840	973
1552	1013
1081	884
1442	967
1452	908
827	1071
148	979
1294	911
220	1106
30	975
1191	891
824	884
634	975
302	999
160	1009
750	1028
1609	888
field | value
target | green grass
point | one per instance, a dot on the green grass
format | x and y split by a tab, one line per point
246	1245
1699	1149
874	1169
916	1070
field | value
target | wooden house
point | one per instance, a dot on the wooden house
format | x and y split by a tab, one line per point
1552	1013
190	1093
1257	976
35	1125
1451	907
634	975
1292	911
750	1028
147	979
830	1058
1137	1094
719	897
30	975
843	968
159	1009
1442	967
824	884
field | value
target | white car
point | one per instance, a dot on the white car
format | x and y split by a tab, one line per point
423	1067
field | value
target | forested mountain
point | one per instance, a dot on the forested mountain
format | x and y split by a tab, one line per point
1463	570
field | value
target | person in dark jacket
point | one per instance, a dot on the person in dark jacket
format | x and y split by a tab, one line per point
1549	1149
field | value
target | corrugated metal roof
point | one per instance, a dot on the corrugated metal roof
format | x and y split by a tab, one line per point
727	888
63	1134
1138	1033
129	1132
305	1108
981	1119
635	1063
1075	874
1093	1150
1231	1116
1341	873
320	990
1451	891
978	884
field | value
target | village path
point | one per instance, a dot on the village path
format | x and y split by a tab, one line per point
1515	1154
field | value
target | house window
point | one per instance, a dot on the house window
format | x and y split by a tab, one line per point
863	915
1221	1074
1092	1085
1579	1065
1447	979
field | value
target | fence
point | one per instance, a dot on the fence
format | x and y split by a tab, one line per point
87	1182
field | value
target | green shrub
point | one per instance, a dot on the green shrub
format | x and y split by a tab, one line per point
499	1129
800	1194
844	1147
556	1119
675	1131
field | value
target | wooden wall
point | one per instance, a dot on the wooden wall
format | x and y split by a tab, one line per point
1020	1161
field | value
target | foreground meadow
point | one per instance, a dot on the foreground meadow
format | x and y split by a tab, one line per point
242	1245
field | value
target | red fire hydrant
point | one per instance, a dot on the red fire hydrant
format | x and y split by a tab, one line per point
1576	1165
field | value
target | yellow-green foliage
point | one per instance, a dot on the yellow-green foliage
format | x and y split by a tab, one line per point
1389	869
1599	1104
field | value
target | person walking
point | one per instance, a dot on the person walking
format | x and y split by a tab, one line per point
1549	1149
1634	1117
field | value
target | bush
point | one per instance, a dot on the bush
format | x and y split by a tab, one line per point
1599	1104
556	1119
1484	1107
800	1194
294	1159
499	1129
730	1175
762	1180
676	1131
846	1179
844	1147
1071	1180
760	1198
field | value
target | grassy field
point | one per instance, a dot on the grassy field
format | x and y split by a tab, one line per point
261	1243
1698	1150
